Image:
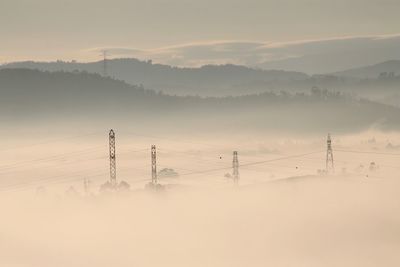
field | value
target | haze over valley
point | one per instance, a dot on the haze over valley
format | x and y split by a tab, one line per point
200	133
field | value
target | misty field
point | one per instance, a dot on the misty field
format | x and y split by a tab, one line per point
283	205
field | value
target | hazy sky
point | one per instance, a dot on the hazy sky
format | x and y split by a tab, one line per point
68	29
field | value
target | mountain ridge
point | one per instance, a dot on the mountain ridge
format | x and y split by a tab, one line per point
91	98
236	80
207	80
372	71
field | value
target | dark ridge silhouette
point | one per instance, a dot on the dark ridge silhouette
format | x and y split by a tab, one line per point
210	80
30	95
379	82
390	67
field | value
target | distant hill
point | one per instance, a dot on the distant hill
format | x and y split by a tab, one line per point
210	80
391	67
30	96
378	82
332	55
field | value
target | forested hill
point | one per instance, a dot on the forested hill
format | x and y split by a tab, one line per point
31	95
380	70
210	80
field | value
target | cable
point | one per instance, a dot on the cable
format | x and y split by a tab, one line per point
253	163
52	141
50	158
367	152
169	139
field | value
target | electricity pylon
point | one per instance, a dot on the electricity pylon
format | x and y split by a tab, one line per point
235	167
113	167
329	156
153	165
86	185
105	72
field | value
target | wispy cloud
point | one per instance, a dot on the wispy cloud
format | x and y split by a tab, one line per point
301	55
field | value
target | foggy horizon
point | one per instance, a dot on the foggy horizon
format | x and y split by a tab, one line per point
272	54
209	133
46	30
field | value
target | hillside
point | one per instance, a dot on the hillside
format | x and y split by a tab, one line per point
210	80
233	80
30	96
372	71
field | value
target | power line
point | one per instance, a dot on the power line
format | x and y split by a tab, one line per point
367	152
50	141
170	139
252	163
48	159
282	158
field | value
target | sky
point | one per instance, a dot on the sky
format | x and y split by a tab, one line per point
70	29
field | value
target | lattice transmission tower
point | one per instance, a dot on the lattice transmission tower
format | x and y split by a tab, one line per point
153	165
329	156
86	185
235	167
113	166
105	70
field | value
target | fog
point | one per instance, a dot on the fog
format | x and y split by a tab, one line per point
281	213
199	133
